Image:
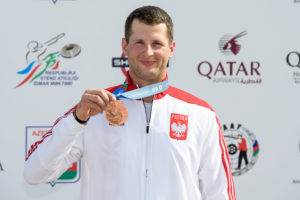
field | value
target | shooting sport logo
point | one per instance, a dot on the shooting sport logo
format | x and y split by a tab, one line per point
35	134
242	146
43	67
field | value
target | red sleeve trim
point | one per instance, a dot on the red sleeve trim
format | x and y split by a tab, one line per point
49	132
36	144
226	164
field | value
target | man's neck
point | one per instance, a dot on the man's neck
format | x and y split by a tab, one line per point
143	83
148	99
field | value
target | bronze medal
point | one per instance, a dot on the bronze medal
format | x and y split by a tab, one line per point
116	113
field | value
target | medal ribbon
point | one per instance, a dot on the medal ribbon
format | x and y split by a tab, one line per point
143	92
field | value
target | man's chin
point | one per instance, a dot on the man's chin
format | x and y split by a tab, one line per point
153	76
148	67
150	71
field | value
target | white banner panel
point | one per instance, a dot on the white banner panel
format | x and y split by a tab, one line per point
242	57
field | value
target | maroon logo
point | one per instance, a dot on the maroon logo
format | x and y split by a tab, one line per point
235	70
228	44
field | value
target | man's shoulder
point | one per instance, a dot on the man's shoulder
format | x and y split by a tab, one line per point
187	97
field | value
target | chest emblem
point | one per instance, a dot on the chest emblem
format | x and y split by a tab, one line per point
178	126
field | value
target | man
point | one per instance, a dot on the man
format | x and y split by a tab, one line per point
170	148
243	151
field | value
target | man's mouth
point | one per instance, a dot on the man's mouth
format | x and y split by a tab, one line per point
147	62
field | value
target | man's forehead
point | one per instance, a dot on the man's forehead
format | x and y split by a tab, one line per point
139	27
137	22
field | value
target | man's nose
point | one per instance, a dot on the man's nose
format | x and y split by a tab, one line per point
148	50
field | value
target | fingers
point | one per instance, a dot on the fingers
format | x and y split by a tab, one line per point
92	102
102	95
111	96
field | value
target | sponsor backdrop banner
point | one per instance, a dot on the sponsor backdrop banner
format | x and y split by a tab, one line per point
242	57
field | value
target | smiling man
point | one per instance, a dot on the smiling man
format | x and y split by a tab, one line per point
148	49
167	146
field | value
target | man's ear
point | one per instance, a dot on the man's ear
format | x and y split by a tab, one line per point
172	48
124	46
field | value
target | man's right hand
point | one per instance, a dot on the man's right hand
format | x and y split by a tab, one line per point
92	102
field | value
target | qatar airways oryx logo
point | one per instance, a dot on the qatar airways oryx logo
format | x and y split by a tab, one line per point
178	126
43	63
246	71
34	136
242	147
228	44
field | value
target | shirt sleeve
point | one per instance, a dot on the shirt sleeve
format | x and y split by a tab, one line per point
59	148
215	177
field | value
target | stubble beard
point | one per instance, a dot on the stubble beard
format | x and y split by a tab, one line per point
154	76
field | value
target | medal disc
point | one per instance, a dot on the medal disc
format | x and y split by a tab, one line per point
70	50
116	113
